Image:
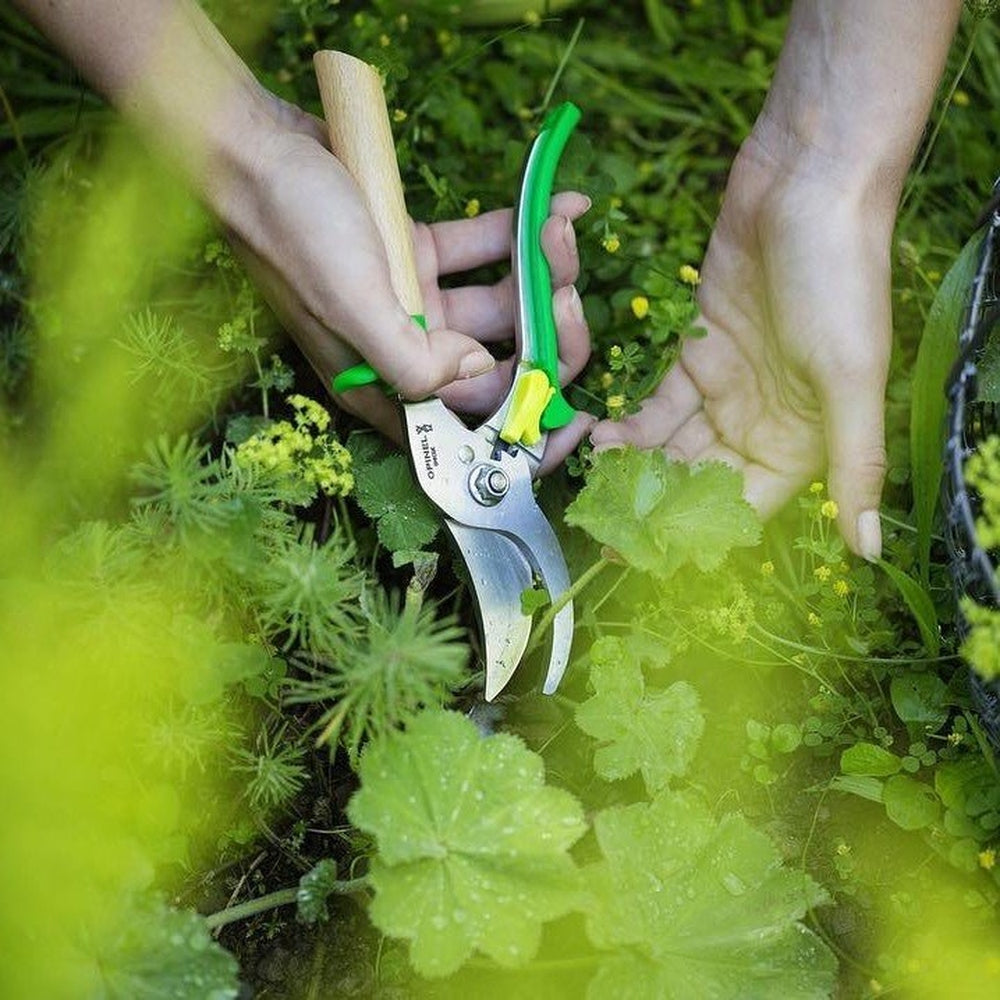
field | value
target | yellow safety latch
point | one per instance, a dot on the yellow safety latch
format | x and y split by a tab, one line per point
532	393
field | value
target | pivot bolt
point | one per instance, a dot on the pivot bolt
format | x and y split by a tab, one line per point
489	485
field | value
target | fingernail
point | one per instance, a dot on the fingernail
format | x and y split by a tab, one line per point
869	535
568	236
586	198
576	305
476	363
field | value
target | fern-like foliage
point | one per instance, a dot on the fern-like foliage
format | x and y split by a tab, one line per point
275	768
407	658
306	594
179	479
168	360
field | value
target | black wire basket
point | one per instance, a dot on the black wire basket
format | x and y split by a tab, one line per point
970	421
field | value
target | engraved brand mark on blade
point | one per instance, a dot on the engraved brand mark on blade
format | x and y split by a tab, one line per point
428	451
500	574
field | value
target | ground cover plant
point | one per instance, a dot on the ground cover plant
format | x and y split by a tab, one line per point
245	744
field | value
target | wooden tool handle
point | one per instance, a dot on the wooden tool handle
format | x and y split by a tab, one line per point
361	138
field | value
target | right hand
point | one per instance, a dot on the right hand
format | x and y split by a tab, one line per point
791	377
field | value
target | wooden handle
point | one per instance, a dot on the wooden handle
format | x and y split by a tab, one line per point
361	138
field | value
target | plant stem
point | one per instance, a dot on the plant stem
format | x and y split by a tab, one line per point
280	897
545	622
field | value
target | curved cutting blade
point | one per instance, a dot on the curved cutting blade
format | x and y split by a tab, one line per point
500	574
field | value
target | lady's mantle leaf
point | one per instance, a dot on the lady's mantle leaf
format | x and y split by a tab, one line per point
660	515
699	908
472	845
387	493
657	732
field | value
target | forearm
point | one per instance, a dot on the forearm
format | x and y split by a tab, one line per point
165	66
854	86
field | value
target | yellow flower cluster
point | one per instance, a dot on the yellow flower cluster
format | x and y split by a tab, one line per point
640	306
689	275
830	509
300	456
611	243
987	858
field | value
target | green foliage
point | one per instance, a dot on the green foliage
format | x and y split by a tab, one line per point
275	768
919	603
869	759
699	907
160	952
403	516
656	732
660	515
315	888
306	592
934	360
403	658
981	648
472	845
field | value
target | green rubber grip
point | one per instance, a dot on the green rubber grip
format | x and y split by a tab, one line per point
536	280
360	375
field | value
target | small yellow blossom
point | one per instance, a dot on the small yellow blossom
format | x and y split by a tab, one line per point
987	858
606	379
472	208
615	201
767	568
830	509
611	243
403	21
640	306
954	738
822	573
816	487
398	115
814	619
841	588
444	37
615	402
960	98
689	275
843	848
532	17
616	351
385	41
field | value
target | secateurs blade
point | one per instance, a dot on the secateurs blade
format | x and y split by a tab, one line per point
479	478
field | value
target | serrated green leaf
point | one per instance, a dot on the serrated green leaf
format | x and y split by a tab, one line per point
869	759
935	357
162	952
656	732
472	845
386	491
696	907
661	515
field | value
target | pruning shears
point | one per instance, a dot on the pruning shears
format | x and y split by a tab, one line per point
481	478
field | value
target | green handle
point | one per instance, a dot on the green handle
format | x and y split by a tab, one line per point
540	348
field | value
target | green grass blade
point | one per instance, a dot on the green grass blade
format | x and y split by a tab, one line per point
920	605
934	359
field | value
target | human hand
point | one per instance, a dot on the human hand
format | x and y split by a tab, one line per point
299	223
791	375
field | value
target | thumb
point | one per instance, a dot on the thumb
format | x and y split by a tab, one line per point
855	434
417	362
